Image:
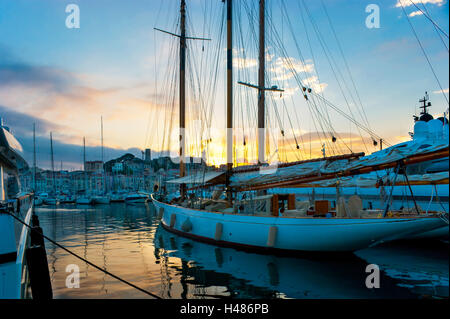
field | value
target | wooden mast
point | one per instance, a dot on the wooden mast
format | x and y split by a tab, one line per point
182	94
182	90
230	84
229	93
261	83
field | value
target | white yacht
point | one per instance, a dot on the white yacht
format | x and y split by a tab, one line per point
21	253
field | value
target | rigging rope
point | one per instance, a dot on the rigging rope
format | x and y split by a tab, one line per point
424	52
426	15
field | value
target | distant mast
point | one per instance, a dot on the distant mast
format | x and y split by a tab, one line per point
103	157
84	164
53	163
34	158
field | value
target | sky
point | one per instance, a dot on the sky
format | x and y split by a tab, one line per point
115	66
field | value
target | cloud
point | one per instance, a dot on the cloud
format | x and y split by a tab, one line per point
441	91
407	3
244	63
313	83
71	104
415	13
16	72
283	67
69	153
22	124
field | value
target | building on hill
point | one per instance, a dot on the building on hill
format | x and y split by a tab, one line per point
94	166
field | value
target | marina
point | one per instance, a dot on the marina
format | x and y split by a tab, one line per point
247	151
128	241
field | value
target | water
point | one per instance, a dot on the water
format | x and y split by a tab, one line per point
128	241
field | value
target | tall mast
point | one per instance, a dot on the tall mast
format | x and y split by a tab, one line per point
229	85
182	36
182	93
53	163
34	158
261	83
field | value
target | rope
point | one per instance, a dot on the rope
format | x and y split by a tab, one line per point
424	52
85	260
428	17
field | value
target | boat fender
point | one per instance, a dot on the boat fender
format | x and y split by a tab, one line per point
219	230
161	213
36	256
173	218
273	230
186	226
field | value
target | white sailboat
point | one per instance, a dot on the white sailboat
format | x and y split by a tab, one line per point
265	223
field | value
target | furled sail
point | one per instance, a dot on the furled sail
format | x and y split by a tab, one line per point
307	173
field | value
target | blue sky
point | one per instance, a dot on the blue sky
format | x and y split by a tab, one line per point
65	79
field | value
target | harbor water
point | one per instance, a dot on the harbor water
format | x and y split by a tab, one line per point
127	241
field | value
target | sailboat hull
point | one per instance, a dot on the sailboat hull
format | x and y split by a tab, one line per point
51	201
100	200
291	234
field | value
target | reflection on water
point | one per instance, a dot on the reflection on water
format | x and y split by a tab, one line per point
127	241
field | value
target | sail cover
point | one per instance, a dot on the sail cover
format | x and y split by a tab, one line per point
374	180
408	152
200	178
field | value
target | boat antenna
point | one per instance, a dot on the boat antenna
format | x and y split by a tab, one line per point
424	115
425	103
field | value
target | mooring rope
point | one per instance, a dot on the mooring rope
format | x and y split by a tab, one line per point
85	260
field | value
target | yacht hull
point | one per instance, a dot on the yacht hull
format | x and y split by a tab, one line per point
291	234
